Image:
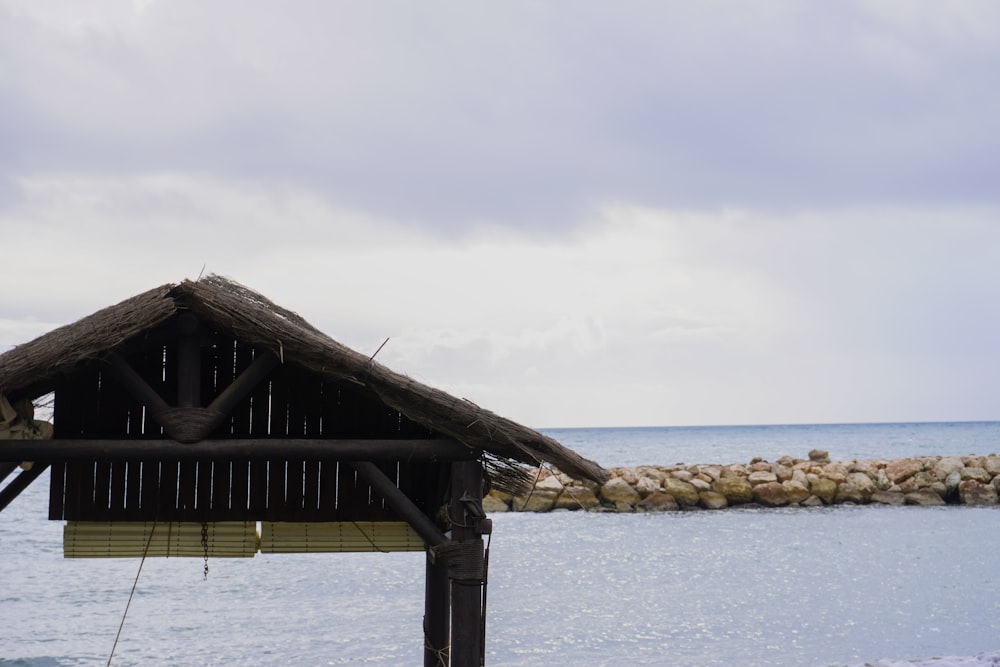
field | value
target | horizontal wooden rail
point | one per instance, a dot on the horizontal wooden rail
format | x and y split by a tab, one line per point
262	448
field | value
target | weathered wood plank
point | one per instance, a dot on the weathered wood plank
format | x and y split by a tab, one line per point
267	448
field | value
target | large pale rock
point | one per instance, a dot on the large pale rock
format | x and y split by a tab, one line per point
658	502
902	469
536	501
882	480
781	472
923	497
977	475
819	455
825	489
737	490
761	477
700	484
868	467
799	475
645	486
848	492
863	482
835	476
576	498
493	504
972	492
683	475
617	490
921	480
712	500
714	472
796	492
888	498
771	494
684	493
947	465
992	465
550	483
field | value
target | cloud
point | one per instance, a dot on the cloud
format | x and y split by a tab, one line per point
532	115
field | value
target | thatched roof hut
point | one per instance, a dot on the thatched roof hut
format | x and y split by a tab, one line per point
35	368
206	407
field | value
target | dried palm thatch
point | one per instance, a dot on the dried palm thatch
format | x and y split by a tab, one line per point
33	368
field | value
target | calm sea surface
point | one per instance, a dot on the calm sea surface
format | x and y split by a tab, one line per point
804	588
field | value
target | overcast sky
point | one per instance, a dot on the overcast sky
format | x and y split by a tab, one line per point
572	213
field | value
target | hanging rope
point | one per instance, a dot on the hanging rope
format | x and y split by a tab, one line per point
132	593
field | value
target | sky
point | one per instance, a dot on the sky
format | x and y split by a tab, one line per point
571	213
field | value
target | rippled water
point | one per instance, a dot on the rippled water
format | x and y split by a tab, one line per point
820	587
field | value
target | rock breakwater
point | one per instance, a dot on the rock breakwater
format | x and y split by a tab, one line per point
787	482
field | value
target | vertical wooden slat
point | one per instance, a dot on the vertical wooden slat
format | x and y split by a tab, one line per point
187	488
259	488
347	489
203	492
79	489
278	414
221	472
167	500
116	508
328	491
150	497
239	490
294	479
277	474
102	490
240	416
133	488
57	491
310	498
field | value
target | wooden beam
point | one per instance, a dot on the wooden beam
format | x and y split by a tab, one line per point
254	374
136	385
401	503
20	483
6	468
237	449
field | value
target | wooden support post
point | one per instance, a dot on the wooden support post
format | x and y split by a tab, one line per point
467	581
437	613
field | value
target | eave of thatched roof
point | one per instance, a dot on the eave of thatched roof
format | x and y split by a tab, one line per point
34	368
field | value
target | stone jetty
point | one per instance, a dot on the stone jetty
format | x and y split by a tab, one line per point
787	482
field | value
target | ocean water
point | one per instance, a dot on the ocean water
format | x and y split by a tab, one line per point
844	586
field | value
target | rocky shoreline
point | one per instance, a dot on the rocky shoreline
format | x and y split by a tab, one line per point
788	482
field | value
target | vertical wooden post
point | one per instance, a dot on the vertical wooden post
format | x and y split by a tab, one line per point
188	362
437	613
467	567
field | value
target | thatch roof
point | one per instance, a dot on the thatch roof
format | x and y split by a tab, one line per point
34	368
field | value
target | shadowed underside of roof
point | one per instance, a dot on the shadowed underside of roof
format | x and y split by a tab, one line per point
34	368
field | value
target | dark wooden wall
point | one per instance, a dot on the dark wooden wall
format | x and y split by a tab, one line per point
291	402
